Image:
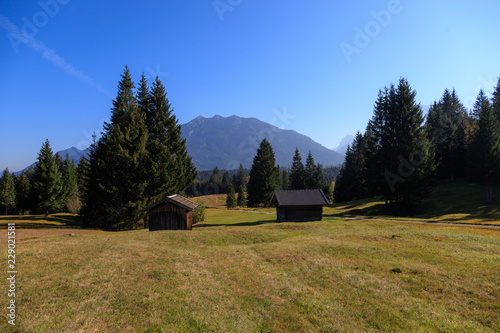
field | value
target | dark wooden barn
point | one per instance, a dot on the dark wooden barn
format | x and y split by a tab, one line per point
172	213
299	205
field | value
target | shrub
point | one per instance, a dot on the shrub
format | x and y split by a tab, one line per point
199	214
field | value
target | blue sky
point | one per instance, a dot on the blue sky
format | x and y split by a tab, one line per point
314	67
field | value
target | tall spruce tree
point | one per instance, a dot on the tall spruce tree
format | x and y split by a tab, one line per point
242	200
7	192
240	179
495	101
230	198
82	174
263	176
484	151
23	192
310	172
351	183
46	184
70	186
118	176
171	170
297	173
397	149
446	128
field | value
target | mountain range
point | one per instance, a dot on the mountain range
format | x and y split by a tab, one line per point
226	142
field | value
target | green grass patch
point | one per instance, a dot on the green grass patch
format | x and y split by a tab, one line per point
234	276
458	202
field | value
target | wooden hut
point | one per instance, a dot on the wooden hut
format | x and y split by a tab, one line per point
299	205
172	213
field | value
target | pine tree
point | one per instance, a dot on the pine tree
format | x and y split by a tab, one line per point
118	177
484	151
46	184
263	176
82	173
317	181
310	172
398	160
446	128
171	170
226	180
230	198
351	182
70	198
23	192
242	200
495	101
216	177
297	173
7	191
239	178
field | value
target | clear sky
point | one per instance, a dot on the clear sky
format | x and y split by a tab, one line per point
311	66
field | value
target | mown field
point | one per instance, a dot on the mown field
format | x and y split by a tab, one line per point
459	202
241	272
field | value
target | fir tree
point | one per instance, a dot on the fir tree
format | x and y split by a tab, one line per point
263	176
82	173
350	183
297	173
230	198
70	186
7	191
240	178
242	200
399	162
216	177
226	180
171	170
310	173
23	192
484	152
495	101
118	176
46	185
446	128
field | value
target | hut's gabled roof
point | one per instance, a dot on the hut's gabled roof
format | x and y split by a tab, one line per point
300	198
175	199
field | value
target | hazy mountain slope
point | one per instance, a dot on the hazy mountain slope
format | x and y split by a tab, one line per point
227	142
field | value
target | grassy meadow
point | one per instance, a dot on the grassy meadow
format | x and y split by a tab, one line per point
241	272
459	202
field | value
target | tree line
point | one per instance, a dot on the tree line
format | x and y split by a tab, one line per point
52	185
139	158
402	154
266	176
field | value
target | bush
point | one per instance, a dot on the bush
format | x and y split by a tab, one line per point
199	214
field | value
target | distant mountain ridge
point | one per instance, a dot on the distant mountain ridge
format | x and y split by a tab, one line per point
227	142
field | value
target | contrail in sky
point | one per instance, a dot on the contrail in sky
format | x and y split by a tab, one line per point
14	34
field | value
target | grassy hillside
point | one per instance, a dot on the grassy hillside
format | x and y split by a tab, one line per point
459	202
240	272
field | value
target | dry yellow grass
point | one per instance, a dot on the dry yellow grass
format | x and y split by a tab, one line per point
260	276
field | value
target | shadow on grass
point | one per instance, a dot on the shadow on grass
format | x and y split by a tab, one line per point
460	201
239	224
41	222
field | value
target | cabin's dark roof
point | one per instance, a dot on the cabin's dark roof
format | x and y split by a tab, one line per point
175	199
300	198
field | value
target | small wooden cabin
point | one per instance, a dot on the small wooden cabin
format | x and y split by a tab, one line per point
172	213
299	205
